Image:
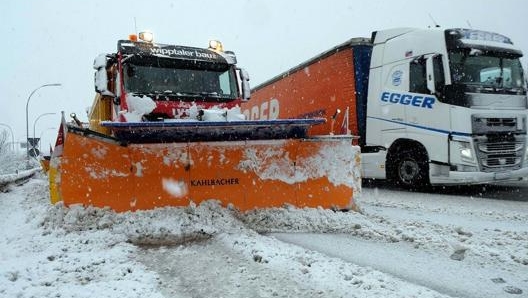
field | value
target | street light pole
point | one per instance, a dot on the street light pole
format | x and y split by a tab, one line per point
12	135
34	123
40	137
27	105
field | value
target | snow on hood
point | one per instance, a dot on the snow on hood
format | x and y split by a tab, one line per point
140	106
217	114
137	107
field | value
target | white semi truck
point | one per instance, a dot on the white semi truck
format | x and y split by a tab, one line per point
438	106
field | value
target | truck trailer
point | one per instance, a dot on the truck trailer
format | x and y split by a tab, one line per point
429	106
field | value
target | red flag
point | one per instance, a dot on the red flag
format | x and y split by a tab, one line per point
59	143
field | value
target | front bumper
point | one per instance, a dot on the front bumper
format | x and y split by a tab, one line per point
460	178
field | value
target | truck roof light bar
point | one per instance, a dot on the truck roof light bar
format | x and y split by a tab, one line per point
146	36
216	46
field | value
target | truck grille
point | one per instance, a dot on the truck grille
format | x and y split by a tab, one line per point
483	124
501	122
499	153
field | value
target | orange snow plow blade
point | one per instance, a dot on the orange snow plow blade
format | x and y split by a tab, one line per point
99	171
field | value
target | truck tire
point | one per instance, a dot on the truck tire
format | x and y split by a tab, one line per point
410	168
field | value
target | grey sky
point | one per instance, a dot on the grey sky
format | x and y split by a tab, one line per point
55	41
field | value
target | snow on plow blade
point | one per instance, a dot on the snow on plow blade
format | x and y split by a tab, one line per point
305	172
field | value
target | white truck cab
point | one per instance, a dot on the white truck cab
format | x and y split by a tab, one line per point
445	106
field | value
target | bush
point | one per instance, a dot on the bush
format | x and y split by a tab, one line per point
11	162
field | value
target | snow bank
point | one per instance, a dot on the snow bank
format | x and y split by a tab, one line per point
296	268
40	258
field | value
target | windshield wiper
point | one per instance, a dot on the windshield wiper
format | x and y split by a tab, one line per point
211	94
202	94
142	93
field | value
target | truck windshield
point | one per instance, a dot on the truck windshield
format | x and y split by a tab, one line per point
180	82
487	72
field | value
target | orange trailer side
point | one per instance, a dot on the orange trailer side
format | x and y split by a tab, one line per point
317	88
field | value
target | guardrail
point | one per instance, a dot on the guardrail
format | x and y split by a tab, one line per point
16	177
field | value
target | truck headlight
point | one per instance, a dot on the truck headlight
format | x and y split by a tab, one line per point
466	152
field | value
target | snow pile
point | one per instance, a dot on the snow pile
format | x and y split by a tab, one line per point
138	106
224	114
235	114
39	260
162	226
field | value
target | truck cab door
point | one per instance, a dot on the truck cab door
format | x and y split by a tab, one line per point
386	117
428	117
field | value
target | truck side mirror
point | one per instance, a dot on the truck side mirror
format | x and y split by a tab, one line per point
100	76
244	79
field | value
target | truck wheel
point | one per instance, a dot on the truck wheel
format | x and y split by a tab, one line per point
410	169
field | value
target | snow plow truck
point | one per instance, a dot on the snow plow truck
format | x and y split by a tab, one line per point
165	129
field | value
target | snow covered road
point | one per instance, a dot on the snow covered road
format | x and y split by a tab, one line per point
456	245
401	245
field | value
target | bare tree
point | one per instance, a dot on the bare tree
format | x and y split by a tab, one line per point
4	145
10	160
